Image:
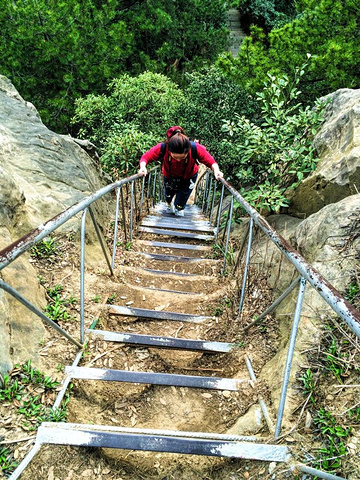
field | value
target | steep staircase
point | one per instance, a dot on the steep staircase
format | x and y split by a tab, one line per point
158	244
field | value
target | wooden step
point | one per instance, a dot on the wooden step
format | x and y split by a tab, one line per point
181	246
93	436
151	378
177	223
157	315
175	258
164	342
175	233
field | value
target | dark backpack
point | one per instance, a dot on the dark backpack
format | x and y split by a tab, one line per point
193	151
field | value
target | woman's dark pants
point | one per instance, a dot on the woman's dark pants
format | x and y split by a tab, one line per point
180	189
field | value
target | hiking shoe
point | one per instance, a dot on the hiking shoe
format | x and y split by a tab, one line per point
179	213
170	208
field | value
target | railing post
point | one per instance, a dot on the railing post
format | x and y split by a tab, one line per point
290	355
228	232
101	240
211	179
142	196
205	190
115	228
131	210
154	186
82	275
219	213
246	265
213	202
123	212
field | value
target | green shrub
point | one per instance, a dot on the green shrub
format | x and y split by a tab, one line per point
277	154
132	118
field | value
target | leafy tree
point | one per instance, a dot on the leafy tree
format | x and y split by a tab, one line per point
266	14
173	36
209	98
130	119
327	29
276	155
56	51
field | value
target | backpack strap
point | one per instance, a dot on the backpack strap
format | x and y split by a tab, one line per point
194	152
162	151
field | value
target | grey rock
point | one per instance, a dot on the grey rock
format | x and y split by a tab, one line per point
337	175
41	174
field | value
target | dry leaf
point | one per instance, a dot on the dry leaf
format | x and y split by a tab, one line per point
162	401
161	307
206	395
51	474
133	421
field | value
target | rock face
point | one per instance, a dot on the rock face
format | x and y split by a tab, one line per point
41	174
329	240
338	144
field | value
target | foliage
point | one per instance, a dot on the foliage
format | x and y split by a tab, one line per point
173	36
267	14
19	388
326	29
333	435
129	120
56	308
277	154
209	98
46	248
7	462
55	52
308	382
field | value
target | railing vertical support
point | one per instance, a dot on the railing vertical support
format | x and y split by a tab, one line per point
115	228
154	187
213	202
142	196
211	179
101	240
246	265
205	190
82	275
131	210
219	213
123	212
228	232
290	355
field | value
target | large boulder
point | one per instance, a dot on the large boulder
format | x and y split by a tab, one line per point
41	174
337	175
328	240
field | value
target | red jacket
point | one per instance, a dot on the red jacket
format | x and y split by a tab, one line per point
183	169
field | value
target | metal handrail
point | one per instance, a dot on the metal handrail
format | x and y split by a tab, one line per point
207	186
307	274
25	243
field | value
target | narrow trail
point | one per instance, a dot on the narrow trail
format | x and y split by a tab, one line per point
164	376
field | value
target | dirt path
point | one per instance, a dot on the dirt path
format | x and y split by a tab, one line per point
190	287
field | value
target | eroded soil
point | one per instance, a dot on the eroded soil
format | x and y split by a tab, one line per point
200	290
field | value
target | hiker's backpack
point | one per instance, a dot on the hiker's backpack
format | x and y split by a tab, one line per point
193	151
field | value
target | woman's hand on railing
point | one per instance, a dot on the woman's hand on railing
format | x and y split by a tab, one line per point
142	170
217	173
